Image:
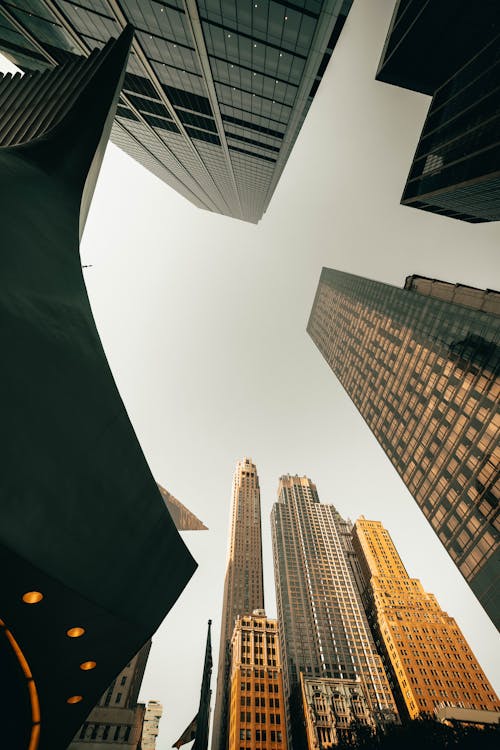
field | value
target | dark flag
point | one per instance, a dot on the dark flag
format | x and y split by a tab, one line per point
198	728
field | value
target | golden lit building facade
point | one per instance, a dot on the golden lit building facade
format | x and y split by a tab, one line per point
256	702
422	365
243	584
428	657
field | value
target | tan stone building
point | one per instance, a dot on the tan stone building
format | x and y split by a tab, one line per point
151	726
243	584
116	721
256	700
183	518
332	708
324	631
425	651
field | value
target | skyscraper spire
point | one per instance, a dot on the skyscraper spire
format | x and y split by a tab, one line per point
244	584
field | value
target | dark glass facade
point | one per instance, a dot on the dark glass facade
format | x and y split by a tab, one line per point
451	50
429	41
216	90
456	168
425	375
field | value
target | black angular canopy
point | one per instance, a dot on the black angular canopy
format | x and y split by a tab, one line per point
82	522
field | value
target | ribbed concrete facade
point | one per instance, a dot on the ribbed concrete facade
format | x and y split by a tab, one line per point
243	585
422	365
428	658
215	93
324	630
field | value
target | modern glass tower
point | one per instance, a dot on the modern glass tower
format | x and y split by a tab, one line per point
215	92
422	365
450	50
324	633
243	584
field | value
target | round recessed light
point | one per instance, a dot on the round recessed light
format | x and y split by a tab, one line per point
32	597
86	665
75	632
74	699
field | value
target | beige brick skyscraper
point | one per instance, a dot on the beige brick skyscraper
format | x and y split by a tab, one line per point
243	585
324	633
256	703
428	656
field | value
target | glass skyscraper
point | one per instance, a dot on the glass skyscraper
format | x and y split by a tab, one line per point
450	50
216	91
324	633
243	585
422	365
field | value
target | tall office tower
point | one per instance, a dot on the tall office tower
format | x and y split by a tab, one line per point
450	50
215	93
324	633
256	699
422	365
243	584
117	719
151	726
82	524
428	657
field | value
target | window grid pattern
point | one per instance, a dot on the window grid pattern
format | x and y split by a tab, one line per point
263	63
424	374
325	633
428	657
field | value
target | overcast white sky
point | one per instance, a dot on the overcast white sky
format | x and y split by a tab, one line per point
203	320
